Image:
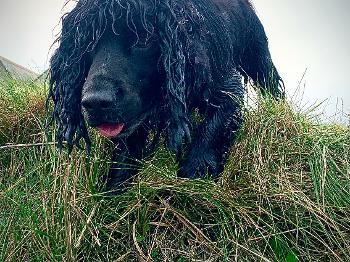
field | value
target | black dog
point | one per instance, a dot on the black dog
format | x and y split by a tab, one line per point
135	67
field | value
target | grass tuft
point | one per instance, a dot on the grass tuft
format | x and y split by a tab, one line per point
284	194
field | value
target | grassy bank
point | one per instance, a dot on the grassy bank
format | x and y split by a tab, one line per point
284	194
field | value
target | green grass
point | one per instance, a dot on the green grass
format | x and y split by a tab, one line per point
284	194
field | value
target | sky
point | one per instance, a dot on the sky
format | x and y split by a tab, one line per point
311	37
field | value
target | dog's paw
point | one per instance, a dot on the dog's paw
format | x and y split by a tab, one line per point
200	165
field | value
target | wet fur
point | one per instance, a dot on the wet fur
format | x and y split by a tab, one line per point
205	48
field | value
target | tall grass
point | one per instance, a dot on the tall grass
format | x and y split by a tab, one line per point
284	194
21	109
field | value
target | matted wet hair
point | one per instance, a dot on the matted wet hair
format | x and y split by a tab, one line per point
180	27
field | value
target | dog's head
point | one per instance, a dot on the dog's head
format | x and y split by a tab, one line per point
123	84
117	60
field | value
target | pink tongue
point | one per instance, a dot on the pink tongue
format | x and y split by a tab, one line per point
110	130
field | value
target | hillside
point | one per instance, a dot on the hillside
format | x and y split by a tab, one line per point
284	194
13	70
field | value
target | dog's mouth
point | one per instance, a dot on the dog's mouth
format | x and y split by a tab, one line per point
117	128
110	130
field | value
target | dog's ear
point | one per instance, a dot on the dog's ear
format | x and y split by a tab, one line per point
173	60
66	82
68	70
185	62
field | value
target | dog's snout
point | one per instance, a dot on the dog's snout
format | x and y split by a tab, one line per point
98	101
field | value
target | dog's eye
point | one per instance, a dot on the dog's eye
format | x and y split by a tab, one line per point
143	49
142	46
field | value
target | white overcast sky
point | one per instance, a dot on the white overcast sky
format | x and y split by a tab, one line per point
303	34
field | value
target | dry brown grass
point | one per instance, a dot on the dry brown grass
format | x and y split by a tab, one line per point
284	196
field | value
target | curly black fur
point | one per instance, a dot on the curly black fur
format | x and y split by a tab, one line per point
203	49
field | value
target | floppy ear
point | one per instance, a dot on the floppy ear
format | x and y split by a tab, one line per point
65	90
185	62
68	70
173	59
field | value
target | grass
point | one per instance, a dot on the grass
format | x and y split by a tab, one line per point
284	194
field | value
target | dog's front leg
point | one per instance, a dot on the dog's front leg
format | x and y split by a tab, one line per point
206	154
126	154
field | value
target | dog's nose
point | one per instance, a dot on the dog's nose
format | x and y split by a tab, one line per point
98	101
